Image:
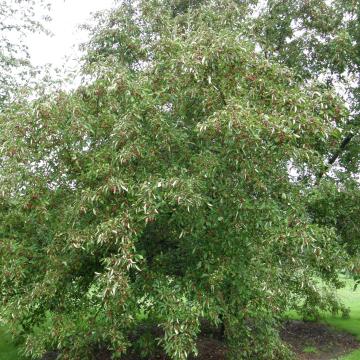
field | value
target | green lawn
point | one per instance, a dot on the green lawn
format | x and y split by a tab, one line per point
353	356
352	325
352	300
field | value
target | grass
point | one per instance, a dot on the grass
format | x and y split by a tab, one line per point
352	325
355	355
351	299
310	350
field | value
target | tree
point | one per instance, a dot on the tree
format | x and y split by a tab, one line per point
158	194
318	38
17	19
321	39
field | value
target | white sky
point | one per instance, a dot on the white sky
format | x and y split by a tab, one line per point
66	15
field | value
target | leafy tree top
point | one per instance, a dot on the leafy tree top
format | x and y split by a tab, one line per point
159	194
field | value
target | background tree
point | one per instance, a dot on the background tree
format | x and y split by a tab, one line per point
17	20
158	194
321	39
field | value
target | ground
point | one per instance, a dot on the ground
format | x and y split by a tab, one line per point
314	341
309	341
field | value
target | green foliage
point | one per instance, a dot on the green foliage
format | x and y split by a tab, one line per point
7	350
338	207
319	38
18	18
158	194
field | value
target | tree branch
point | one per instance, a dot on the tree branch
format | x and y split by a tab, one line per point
336	155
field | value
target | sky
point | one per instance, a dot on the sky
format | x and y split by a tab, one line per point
66	16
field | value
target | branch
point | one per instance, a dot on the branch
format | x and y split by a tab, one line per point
222	96
336	155
343	144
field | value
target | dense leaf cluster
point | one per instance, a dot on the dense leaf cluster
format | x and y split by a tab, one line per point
160	194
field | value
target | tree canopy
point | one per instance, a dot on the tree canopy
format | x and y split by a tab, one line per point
18	18
321	39
179	184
